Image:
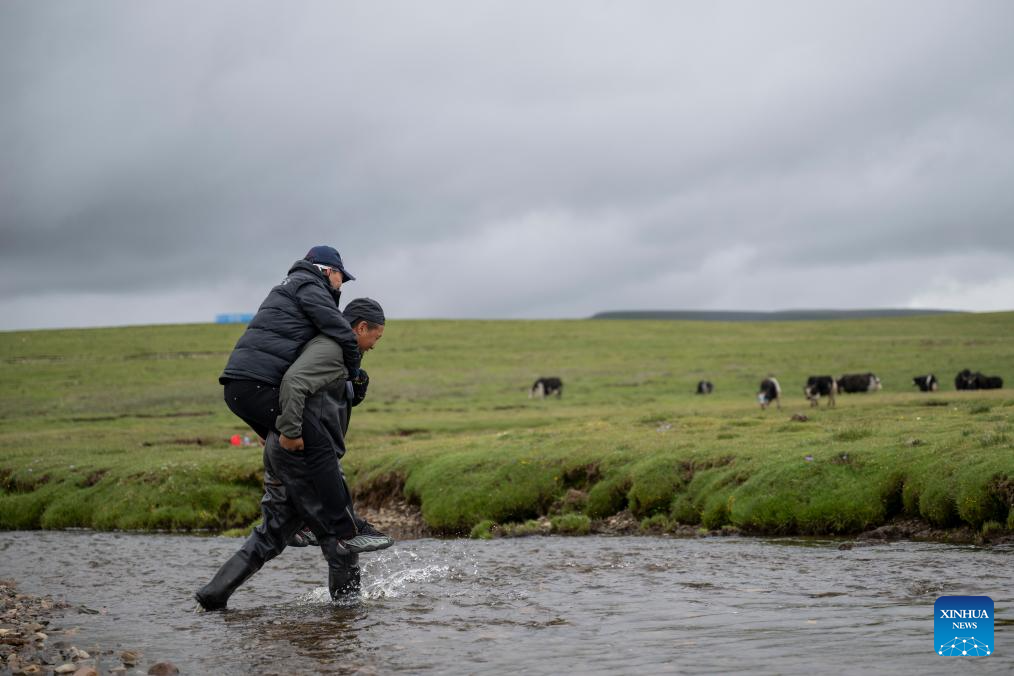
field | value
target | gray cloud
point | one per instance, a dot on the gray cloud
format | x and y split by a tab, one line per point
501	159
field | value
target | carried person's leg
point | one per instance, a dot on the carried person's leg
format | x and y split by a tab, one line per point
254	403
336	515
304	537
319	504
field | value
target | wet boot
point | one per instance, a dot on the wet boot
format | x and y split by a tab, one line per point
235	571
343	578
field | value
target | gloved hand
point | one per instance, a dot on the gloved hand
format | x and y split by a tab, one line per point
359	384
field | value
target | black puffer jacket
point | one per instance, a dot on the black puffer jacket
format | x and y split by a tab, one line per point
295	311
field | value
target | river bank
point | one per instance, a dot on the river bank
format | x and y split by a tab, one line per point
404	522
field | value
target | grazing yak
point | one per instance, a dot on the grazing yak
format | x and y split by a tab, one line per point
966	380
770	391
705	387
545	387
927	383
990	382
859	382
820	386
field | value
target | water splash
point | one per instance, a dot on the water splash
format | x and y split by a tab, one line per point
393	585
389	575
316	597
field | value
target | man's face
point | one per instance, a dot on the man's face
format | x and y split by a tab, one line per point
336	279
368	337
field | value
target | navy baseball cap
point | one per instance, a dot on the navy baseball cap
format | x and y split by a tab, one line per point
329	256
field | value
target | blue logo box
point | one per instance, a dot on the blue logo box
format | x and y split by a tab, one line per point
963	626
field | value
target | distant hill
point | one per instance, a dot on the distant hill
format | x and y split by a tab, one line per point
778	316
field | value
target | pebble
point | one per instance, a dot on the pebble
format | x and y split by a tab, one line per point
128	657
68	668
86	671
163	669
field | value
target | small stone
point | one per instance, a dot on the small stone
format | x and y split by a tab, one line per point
163	669
78	654
118	670
39	636
128	657
68	668
86	671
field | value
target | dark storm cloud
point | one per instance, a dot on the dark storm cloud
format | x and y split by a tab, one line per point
649	154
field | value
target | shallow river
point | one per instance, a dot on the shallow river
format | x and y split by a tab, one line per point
534	605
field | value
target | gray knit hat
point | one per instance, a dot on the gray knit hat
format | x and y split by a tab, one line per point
364	308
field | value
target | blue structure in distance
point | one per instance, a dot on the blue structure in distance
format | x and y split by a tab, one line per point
234	318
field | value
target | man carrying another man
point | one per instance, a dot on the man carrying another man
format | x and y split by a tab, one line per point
303	479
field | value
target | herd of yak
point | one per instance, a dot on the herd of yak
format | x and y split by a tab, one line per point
816	386
827	386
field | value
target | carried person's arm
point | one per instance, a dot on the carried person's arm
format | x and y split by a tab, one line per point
321	308
317	367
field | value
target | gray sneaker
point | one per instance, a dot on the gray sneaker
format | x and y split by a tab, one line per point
303	537
366	542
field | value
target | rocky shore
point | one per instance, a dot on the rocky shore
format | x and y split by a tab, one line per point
397	518
32	643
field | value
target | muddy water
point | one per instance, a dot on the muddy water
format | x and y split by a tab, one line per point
533	605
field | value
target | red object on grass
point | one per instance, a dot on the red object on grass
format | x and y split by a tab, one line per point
236	440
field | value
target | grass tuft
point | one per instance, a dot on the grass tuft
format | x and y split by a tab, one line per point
571	524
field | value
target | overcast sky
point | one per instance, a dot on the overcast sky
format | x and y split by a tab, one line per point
168	161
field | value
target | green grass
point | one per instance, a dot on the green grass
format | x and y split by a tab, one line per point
126	429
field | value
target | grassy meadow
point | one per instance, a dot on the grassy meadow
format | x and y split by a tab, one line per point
125	428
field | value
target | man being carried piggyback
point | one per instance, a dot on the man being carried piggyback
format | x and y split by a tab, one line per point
304	305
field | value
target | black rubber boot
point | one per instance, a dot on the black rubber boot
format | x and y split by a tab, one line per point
343	578
215	595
